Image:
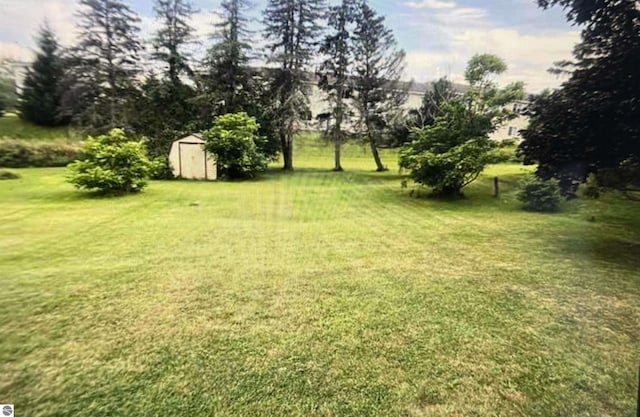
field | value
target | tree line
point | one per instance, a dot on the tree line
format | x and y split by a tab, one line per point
588	128
99	83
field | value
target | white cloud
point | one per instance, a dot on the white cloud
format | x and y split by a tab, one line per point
439	35
21	20
527	56
432	4
454	35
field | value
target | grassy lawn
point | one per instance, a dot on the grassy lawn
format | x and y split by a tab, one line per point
12	127
315	294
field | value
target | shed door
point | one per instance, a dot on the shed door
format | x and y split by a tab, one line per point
192	161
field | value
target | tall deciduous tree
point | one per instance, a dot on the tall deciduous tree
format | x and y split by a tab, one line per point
291	30
40	99
336	70
592	123
174	34
379	65
106	61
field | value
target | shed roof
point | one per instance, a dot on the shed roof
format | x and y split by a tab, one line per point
195	138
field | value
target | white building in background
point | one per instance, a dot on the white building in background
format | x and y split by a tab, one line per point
511	129
318	105
16	70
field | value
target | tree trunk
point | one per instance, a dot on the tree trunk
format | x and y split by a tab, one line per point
338	135
286	142
338	145
374	150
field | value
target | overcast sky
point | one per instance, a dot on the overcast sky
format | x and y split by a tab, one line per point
439	36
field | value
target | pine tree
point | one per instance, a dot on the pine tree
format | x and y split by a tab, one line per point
164	108
105	62
291	30
229	79
173	35
379	67
335	71
40	99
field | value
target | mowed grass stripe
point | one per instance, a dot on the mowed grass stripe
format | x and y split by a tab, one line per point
315	294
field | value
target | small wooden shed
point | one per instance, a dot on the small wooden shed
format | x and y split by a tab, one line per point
189	159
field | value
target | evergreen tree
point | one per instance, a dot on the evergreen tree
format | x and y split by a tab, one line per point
175	32
229	83
105	62
592	123
163	112
40	100
335	71
291	28
378	68
164	109
80	89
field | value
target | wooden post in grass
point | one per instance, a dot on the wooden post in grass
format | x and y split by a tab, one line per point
496	187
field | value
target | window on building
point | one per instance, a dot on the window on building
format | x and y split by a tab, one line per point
513	131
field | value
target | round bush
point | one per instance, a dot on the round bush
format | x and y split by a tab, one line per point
234	140
113	164
539	195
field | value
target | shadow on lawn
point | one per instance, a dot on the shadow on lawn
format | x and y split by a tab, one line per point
621	252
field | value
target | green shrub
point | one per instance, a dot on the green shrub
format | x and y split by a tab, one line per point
505	152
24	154
591	188
624	177
113	164
234	140
162	169
539	195
8	175
453	152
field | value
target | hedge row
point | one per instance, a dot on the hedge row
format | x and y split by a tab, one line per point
24	154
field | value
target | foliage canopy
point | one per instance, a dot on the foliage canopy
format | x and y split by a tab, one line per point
454	151
113	164
235	141
592	123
